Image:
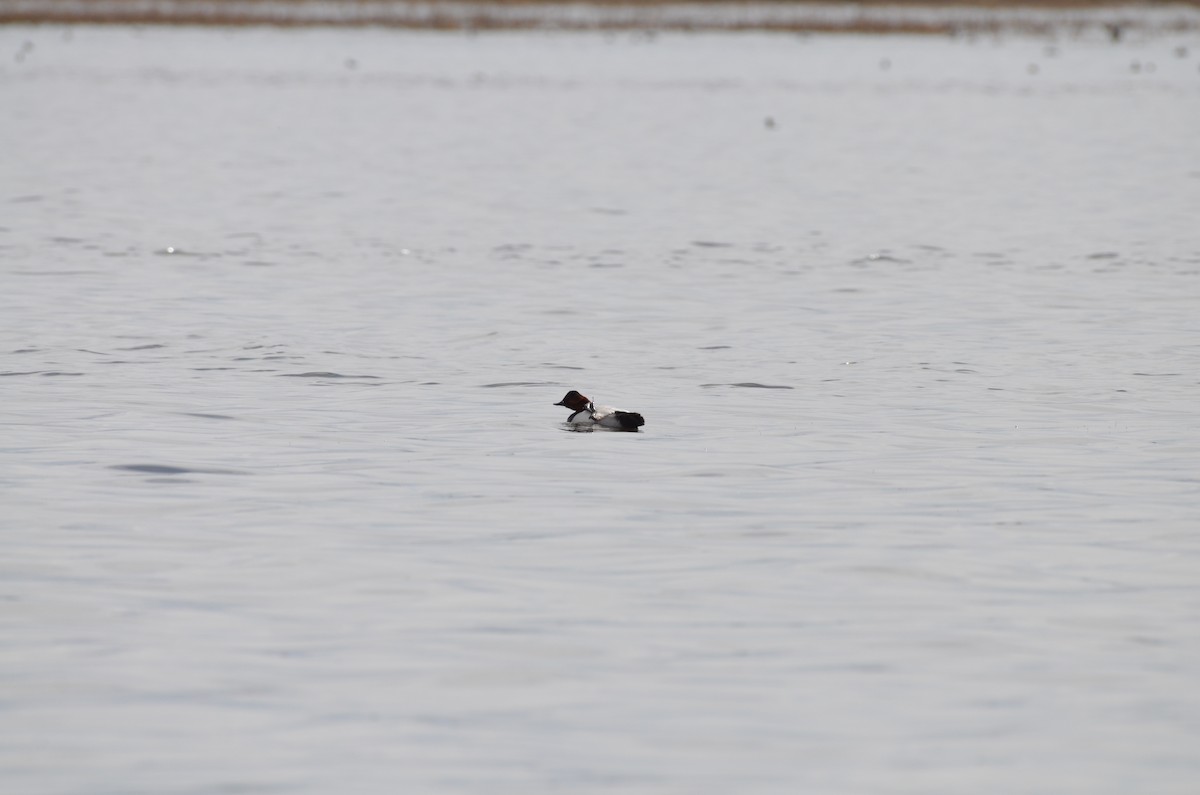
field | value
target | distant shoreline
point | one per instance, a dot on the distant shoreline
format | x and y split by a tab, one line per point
1048	17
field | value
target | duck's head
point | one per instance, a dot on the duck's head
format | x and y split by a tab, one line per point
574	401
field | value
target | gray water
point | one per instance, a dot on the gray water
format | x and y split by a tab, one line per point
914	324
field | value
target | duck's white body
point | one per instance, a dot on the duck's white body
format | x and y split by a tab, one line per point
597	415
584	412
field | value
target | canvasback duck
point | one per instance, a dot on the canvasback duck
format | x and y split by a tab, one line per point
584	412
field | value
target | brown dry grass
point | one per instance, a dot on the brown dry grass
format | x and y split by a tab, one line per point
369	13
995	4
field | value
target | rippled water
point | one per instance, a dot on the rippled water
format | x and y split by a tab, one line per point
287	508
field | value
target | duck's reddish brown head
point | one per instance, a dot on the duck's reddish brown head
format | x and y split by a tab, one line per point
574	401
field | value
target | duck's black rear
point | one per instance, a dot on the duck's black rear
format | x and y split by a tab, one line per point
630	420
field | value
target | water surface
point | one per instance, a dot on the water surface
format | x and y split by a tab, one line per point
287	508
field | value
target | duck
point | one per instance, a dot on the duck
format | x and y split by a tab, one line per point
584	412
